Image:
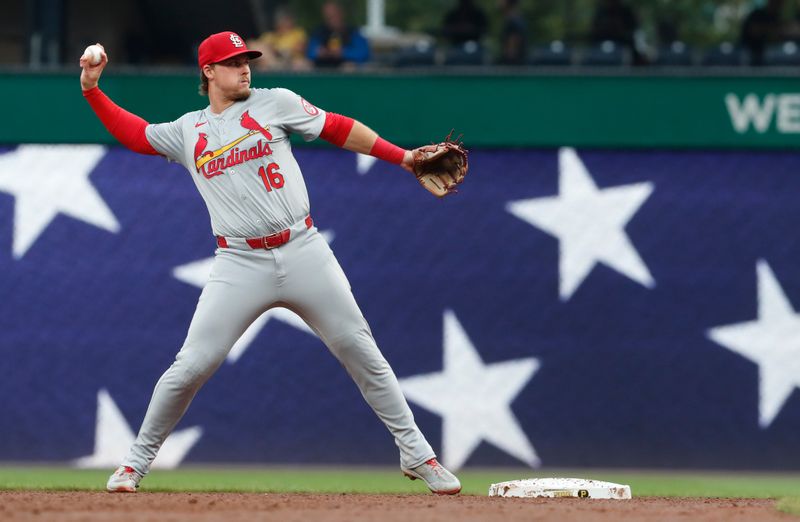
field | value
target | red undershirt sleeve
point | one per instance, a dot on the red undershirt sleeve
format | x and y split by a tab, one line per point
127	128
337	128
387	151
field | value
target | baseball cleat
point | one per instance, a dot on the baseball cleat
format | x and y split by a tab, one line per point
124	480
437	478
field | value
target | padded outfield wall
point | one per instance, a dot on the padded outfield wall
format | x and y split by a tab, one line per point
608	111
615	285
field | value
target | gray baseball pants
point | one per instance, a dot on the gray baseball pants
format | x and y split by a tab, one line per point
304	276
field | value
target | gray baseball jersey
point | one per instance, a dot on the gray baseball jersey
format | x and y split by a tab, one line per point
242	161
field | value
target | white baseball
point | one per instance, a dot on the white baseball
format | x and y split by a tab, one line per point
93	53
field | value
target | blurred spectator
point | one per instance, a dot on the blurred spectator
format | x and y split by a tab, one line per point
513	38
283	48
464	23
335	43
762	27
616	22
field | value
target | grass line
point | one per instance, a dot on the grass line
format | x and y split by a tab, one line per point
383	480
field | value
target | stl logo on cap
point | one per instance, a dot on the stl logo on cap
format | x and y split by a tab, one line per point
221	46
237	42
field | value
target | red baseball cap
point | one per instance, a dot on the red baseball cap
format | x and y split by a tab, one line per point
221	46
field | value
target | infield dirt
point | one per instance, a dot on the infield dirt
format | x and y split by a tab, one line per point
232	507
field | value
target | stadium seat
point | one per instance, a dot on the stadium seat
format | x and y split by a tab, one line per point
725	54
782	55
554	53
676	54
421	54
470	53
605	54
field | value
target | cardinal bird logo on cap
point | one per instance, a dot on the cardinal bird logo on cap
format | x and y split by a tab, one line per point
249	123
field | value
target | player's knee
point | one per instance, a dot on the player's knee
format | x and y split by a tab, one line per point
358	349
193	370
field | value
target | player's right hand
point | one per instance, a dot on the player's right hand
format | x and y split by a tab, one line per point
91	73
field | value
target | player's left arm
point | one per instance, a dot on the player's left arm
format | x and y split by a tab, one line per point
439	167
354	136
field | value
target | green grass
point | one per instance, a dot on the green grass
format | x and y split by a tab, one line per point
789	505
383	480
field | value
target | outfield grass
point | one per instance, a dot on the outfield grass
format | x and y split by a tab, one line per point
382	480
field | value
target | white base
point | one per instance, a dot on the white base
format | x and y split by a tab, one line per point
560	487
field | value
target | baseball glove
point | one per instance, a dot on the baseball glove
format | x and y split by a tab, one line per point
441	167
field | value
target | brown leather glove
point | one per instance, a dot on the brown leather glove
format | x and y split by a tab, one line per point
440	167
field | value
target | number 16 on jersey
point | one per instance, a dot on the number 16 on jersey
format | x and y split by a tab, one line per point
271	177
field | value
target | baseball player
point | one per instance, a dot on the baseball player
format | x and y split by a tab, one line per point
269	252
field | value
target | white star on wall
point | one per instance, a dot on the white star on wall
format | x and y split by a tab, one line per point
474	399
196	274
589	224
113	439
772	342
364	163
47	180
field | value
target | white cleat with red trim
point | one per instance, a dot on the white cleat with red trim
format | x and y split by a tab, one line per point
124	480
438	479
